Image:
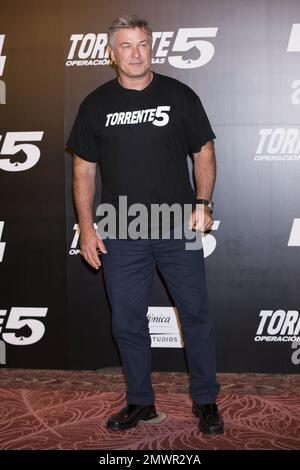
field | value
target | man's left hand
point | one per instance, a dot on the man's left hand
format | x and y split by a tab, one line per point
201	218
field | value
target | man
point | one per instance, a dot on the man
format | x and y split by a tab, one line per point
140	127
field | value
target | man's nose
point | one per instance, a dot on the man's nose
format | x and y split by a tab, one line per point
136	51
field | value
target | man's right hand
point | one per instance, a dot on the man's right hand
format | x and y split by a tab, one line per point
91	247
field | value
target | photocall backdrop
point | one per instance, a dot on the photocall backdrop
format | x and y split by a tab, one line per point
242	59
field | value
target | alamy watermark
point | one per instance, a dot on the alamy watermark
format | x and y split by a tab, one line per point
138	221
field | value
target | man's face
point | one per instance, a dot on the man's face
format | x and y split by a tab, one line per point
132	52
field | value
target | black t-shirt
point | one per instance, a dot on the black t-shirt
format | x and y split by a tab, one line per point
141	139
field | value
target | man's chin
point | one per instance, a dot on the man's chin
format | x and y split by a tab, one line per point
138	72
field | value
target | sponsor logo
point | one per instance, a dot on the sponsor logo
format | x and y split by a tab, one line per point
20	325
16	154
278	326
2	64
186	48
278	144
164	327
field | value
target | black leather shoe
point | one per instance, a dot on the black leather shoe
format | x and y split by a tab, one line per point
210	421
130	416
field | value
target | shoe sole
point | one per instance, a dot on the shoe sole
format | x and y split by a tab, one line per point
157	420
118	427
205	431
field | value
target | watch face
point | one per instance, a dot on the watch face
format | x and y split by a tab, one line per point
206	202
203	201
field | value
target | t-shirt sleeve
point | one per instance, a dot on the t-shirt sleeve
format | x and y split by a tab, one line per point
198	127
82	140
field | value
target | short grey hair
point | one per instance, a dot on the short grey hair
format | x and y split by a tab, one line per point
128	22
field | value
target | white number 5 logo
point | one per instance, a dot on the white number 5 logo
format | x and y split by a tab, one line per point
29	331
162	115
197	52
21	162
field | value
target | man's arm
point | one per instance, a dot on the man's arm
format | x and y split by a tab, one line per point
205	171
205	177
84	188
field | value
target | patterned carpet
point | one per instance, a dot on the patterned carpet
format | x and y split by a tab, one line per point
42	409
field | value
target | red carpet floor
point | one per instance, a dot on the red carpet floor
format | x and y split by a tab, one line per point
68	410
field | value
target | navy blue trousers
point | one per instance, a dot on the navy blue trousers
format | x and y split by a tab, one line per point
129	267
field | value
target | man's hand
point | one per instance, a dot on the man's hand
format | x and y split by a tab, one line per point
201	218
91	247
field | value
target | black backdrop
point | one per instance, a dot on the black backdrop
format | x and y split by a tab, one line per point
242	58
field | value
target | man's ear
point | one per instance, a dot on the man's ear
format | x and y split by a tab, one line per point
111	54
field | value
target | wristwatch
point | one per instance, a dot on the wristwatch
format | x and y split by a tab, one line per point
207	203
